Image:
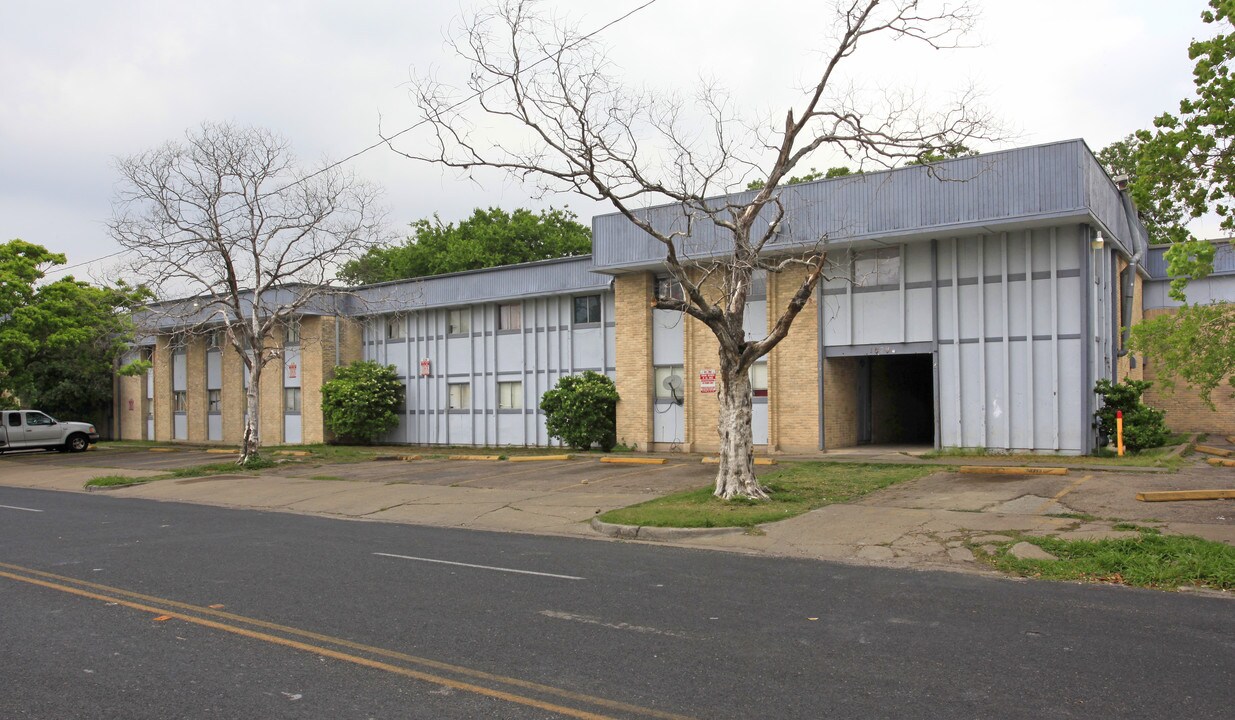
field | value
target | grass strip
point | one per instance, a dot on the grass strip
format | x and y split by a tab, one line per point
795	489
117	481
1150	560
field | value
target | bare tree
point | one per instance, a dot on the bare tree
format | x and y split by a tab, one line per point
553	114
227	220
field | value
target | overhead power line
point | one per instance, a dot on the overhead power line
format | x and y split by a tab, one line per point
404	131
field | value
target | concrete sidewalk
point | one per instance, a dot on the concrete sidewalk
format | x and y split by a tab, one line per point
923	523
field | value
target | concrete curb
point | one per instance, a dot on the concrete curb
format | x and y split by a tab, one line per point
642	532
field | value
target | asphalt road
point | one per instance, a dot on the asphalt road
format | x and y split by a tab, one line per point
121	608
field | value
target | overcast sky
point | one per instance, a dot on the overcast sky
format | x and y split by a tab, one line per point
84	82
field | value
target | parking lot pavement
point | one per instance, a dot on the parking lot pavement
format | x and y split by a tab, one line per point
71	471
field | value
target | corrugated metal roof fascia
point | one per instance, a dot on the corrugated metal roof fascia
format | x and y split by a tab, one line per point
1017	184
1224	261
492	285
1078	215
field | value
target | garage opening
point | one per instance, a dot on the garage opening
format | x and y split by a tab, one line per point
896	400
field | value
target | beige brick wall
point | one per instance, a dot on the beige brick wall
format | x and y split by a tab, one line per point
231	395
270	389
701	411
195	363
793	370
162	389
1185	411
633	363
132	411
840	403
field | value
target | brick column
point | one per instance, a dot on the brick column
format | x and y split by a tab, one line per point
162	389
633	363
232	395
793	370
195	363
316	361
271	396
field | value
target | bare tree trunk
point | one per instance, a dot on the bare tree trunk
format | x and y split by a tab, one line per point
251	439
736	474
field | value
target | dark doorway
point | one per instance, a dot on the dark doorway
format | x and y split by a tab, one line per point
896	400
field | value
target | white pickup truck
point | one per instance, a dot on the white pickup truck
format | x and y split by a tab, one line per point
31	429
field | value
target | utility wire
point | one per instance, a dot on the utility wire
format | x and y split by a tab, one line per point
404	131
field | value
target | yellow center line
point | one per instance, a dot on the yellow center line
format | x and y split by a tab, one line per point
1071	486
383	652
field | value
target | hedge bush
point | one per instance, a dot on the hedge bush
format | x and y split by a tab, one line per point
361	403
581	411
1144	427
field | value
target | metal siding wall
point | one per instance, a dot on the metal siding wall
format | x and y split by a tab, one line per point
1009	354
214	427
537	355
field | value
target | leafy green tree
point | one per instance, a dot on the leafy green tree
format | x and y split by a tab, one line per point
1196	344
361	403
581	411
1144	427
486	239
1185	166
60	341
834	172
953	150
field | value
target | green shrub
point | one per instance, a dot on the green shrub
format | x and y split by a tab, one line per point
361	403
581	411
1144	427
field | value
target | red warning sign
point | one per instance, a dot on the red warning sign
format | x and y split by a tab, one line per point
707	381
291	370
424	368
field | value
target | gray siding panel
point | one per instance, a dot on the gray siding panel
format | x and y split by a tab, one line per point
537	355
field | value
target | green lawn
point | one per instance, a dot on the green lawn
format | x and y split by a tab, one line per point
1149	560
795	489
117	481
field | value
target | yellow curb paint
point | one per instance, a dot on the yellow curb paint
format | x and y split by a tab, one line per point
293	453
162	449
1006	470
537	458
758	461
427	677
1178	495
482	458
409	458
1211	450
634	461
222	451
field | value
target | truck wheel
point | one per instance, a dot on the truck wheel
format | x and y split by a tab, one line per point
76	443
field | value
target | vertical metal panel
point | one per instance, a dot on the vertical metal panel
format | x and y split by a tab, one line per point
180	372
292	430
1031	394
956	344
214	427
214	370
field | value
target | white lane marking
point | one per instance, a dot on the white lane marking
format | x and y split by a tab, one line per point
589	620
14	507
481	567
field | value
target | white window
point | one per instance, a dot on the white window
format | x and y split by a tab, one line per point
877	267
214	339
291	401
510	317
587	309
291	335
460	396
214	401
759	379
180	401
459	321
669	289
394	328
670	382
38	419
509	395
